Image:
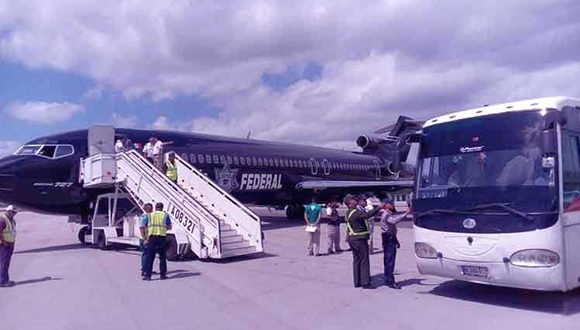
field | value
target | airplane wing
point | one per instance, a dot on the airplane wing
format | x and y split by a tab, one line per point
324	184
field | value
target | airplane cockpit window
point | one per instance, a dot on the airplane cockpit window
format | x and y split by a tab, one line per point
63	151
47	151
51	151
27	150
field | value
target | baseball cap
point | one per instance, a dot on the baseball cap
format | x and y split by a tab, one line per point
361	197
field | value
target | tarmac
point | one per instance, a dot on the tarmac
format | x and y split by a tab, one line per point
62	284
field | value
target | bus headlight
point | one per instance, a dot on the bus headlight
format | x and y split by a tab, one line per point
535	258
424	250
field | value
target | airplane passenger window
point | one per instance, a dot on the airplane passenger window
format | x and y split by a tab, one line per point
27	150
260	162
230	160
192	158
47	151
286	163
63	151
236	160
243	161
200	158
254	161
216	159
223	160
276	162
248	161
271	162
207	159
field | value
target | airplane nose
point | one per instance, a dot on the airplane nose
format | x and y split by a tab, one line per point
8	167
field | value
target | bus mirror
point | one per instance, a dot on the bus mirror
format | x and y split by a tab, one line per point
554	117
548	142
548	162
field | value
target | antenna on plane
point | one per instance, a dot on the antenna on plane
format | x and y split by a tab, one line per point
249	134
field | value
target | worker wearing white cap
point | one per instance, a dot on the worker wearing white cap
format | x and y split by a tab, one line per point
7	239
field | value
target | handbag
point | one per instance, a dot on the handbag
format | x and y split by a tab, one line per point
311	229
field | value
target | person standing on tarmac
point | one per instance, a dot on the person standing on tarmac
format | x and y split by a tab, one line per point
144	220
312	219
7	239
170	168
333	227
358	236
390	241
156	242
368	205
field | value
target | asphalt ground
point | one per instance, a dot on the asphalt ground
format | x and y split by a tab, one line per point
62	284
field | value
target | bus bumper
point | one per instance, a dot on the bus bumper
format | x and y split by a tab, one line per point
499	274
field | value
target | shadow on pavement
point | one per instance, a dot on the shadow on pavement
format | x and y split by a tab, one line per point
378	280
66	247
182	275
254	256
547	302
274	223
38	280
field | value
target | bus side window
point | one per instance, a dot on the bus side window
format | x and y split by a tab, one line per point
571	171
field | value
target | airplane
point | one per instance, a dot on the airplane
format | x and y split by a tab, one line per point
43	175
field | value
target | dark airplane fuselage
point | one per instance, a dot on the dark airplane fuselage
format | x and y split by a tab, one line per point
255	172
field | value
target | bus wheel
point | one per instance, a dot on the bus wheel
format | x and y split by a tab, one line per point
171	252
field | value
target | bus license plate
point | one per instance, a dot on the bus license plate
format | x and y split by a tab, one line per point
475	271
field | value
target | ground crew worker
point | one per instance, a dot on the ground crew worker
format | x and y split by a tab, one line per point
312	219
143	221
333	227
390	241
358	235
7	239
155	239
170	168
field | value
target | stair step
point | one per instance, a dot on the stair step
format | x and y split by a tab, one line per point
228	233
232	239
235	245
238	252
225	227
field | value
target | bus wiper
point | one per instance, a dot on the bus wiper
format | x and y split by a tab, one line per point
439	211
503	206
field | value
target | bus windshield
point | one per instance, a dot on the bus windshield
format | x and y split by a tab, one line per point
483	160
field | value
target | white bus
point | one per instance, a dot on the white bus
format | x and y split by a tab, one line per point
497	195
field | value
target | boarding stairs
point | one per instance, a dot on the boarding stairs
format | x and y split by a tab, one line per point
206	219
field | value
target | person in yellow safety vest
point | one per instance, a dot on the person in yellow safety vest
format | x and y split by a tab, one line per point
358	236
143	220
7	239
170	168
154	230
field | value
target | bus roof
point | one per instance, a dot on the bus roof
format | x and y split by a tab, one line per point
556	102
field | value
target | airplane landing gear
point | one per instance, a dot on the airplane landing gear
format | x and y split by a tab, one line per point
294	212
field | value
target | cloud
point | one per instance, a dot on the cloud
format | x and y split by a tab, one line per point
122	121
378	59
43	112
8	147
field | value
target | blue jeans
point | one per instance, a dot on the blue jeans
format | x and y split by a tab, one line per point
6	251
156	245
143	249
389	256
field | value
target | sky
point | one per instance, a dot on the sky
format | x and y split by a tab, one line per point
302	71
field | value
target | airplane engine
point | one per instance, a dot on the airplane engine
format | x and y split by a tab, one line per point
369	142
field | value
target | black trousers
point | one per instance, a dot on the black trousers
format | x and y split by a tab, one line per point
361	267
390	254
6	251
156	245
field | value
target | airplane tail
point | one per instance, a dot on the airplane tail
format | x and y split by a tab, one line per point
391	142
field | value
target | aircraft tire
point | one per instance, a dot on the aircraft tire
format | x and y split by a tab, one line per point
82	234
171	248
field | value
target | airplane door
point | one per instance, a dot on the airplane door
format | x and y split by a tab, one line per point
314	166
101	140
377	169
326	166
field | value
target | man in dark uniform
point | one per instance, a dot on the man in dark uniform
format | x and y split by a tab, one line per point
358	236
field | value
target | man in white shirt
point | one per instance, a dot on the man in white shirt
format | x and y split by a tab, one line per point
121	145
153	151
